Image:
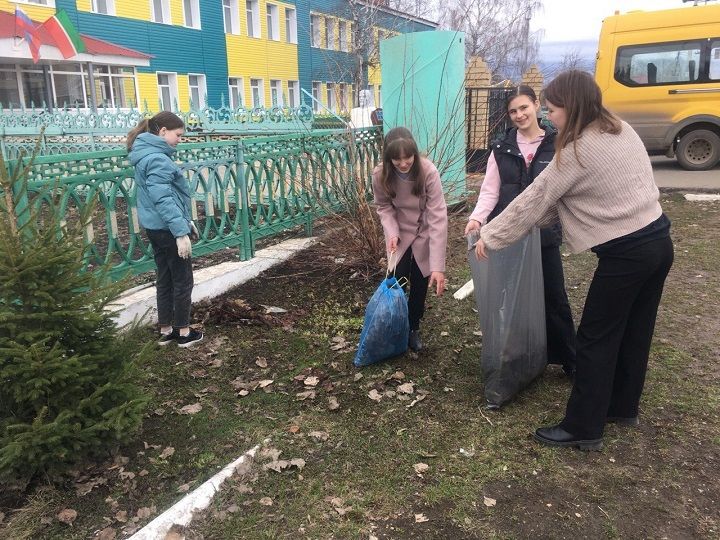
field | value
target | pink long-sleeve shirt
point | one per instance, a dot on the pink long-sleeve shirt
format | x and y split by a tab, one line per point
490	188
402	217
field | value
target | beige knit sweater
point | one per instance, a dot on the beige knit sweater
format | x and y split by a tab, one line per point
607	191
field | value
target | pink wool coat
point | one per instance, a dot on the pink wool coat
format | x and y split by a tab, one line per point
423	229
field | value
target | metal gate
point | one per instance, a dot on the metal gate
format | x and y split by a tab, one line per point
487	119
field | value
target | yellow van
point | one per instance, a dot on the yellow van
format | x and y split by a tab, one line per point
660	72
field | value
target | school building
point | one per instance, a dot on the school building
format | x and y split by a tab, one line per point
254	53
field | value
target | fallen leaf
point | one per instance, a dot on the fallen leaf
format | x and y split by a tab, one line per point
343	511
578	514
311	381
489	502
191	409
307	394
357	377
174	535
444	334
277	465
398	376
127	475
144	472
294	429
108	533
67	516
261	362
184	488
421	467
265	382
374	395
266	501
272	453
407	388
320	435
145	512
233	508
121	516
421	518
416	400
169	451
333	403
298	462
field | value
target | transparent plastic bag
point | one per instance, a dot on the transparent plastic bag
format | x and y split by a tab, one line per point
511	304
386	326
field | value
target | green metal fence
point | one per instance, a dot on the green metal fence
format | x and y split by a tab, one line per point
242	190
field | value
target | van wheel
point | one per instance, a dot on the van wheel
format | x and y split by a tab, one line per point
698	150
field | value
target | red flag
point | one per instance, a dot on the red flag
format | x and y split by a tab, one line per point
25	28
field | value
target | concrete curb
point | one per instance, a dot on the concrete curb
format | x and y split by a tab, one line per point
181	513
695	197
139	302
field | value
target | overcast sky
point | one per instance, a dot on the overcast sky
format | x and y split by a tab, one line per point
580	20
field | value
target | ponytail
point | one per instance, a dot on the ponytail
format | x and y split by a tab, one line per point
163	119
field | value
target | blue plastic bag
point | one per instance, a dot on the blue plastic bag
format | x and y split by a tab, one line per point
386	326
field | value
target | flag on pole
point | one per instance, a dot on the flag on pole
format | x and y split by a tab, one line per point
25	28
64	33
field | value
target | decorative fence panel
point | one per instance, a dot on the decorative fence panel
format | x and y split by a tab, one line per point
242	190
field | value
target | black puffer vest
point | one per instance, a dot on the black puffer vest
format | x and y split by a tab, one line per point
515	176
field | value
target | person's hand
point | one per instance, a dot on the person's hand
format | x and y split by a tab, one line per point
480	250
393	244
438	278
184	246
471	226
194	234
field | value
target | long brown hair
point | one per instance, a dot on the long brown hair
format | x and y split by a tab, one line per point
580	96
163	119
399	142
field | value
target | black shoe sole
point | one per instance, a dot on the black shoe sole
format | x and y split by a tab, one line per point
190	343
632	421
587	445
166	342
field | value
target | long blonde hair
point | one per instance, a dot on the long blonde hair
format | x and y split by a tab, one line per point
163	119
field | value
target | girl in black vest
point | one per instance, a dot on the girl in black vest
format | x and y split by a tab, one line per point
516	160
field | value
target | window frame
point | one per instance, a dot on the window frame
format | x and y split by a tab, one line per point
173	89
329	35
315	34
331	97
167	16
261	92
201	88
195	14
110	8
277	87
291	25
343	36
294	100
240	85
252	14
317	98
272	19
234	8
702	44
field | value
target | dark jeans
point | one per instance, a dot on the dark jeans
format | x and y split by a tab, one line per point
174	280
408	268
613	339
558	317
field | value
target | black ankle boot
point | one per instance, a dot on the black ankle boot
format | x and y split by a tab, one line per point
414	340
557	436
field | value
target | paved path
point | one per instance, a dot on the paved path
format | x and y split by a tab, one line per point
670	175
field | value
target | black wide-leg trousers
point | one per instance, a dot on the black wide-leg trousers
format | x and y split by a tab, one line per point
418	284
559	324
613	339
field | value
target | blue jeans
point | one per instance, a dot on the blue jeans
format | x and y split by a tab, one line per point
174	280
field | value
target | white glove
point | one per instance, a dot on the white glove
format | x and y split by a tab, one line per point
184	246
194	234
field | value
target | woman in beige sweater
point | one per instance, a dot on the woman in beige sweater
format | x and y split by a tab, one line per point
600	187
411	205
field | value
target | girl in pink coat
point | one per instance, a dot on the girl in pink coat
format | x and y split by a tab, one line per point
411	205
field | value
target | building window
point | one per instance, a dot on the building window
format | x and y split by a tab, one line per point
329	33
371	96
273	22
50	3
276	93
231	16
342	35
160	11
342	97
103	7
314	30
114	86
252	7
198	90
330	92
191	10
290	25
256	88
167	90
293	93
316	96
235	91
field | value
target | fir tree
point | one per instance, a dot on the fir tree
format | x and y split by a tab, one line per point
67	375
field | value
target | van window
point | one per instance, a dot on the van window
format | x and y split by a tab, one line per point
715	61
660	63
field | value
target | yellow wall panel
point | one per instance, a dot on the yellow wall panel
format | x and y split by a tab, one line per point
133	9
84	5
183	92
176	13
148	89
36	13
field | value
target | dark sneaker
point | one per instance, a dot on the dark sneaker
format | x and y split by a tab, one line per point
414	340
166	339
191	339
630	421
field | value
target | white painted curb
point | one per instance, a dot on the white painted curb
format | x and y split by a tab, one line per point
210	282
702	197
181	513
464	291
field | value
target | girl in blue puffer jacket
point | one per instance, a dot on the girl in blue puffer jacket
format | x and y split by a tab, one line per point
163	204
